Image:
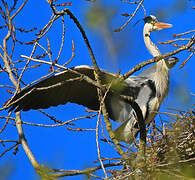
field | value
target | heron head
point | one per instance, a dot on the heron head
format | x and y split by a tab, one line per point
152	24
171	61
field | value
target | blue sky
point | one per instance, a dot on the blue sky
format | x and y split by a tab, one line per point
57	147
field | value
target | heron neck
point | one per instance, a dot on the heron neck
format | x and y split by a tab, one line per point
152	48
161	75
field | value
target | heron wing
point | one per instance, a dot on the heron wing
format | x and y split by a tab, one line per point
63	87
129	129
68	86
141	89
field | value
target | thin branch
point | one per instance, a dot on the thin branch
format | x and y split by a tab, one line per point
97	133
24	143
19	9
89	80
80	129
9	86
73	54
129	2
6	62
45	51
60	124
22	139
97	142
68	12
181	34
4	141
158	58
9	149
62	43
123	26
174	40
6	122
184	62
49	116
85	171
96	74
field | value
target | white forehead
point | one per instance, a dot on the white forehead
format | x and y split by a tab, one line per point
153	17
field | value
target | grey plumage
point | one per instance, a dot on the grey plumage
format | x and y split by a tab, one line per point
148	89
150	97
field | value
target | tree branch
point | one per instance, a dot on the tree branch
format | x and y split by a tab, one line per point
22	139
123	26
66	11
85	171
158	58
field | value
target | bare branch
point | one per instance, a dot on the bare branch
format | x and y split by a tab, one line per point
22	139
6	122
156	59
19	9
15	145
85	171
184	62
62	67
61	123
62	43
123	26
181	34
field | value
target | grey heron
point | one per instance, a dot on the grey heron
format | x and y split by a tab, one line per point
148	89
150	96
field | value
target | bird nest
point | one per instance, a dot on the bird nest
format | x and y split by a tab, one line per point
170	153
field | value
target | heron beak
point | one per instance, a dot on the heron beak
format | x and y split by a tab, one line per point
162	25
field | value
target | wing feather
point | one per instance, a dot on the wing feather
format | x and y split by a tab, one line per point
68	86
58	89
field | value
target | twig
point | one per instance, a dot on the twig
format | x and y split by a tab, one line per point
22	139
158	58
8	68
21	74
96	74
181	34
97	133
73	54
174	40
45	29
62	43
97	143
80	129
49	116
89	80
48	53
105	138
9	86
129	2
85	171
184	62
144	10
60	124
8	149
19	9
6	122
43	77
4	141
122	27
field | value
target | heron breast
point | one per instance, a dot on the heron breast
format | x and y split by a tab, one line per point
153	109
